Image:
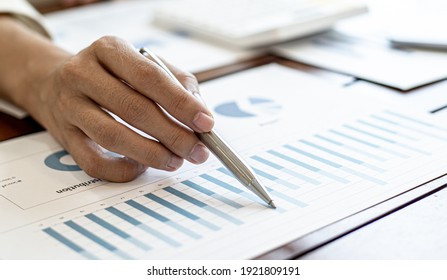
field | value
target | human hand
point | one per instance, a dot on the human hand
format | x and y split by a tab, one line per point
110	74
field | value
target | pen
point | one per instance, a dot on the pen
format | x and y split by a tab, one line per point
220	148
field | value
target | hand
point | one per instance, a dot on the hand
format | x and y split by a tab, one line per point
112	75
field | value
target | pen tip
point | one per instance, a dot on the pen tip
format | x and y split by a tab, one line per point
272	204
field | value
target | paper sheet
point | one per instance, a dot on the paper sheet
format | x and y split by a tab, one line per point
324	154
77	28
360	47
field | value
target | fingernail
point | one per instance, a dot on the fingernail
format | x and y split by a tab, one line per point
203	122
199	154
175	162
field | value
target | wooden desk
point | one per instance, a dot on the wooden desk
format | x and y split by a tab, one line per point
410	226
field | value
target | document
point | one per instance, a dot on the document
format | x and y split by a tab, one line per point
77	28
360	47
324	153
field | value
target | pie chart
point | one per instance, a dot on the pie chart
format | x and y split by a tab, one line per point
248	108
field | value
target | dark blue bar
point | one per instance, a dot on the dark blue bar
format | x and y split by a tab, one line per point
292	160
147	211
221	183
173	207
108	226
91	236
59	237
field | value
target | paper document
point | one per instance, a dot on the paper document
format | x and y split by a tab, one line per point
370	60
77	28
360	47
323	153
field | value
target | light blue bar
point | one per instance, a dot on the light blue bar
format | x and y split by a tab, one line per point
317	158
410	128
275	179
163	219
414	120
101	242
388	140
182	212
363	176
331	152
286	170
294	161
386	130
70	244
229	187
378	127
203	205
118	232
287	198
144	227
354	139
311	168
370	134
369	144
385	120
415	149
212	194
372	156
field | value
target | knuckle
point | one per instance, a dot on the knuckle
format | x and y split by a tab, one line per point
176	141
179	103
71	70
105	42
133	107
152	158
188	77
107	136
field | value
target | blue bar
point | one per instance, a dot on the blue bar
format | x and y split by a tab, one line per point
369	144
414	120
388	140
384	120
294	161
203	205
332	152
163	219
118	231
330	163
370	134
62	239
286	170
378	127
311	168
342	156
325	161
386	130
182	212
351	148
142	226
212	194
287	198
221	183
275	179
363	176
410	128
97	239
354	139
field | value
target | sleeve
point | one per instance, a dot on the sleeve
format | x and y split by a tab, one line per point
23	11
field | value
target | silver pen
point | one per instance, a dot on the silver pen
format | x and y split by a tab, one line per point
220	148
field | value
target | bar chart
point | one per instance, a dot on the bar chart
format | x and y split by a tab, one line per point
355	164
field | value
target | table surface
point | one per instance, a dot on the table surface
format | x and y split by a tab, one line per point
412	226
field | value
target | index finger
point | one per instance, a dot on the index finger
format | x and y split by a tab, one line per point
145	76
